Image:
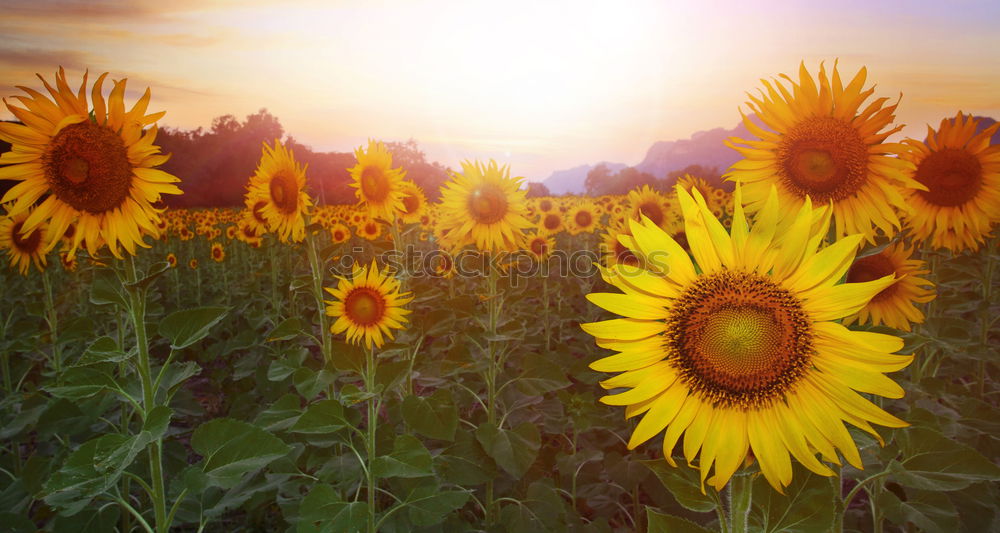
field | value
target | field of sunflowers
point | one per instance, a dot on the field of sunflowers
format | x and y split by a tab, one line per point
814	349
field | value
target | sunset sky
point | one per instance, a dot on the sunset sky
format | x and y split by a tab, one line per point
540	85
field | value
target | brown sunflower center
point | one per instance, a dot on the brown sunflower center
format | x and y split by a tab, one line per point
410	204
738	339
624	256
364	306
653	211
551	221
583	219
488	204
217	252
258	211
539	246
26	244
374	184
338	235
545	205
952	177
87	167
823	157
284	192
870	268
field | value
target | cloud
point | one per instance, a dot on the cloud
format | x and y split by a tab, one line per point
38	60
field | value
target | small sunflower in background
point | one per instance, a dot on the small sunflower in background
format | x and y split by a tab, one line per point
645	202
582	218
541	246
894	305
819	142
277	193
551	223
368	306
616	253
92	166
340	233
172	260
414	203
193	264
960	170
370	229
379	186
741	348
24	248
254	215
485	205
218	253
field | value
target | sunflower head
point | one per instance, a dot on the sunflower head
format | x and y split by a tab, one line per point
94	166
24	246
541	246
894	305
379	186
340	233
582	218
486	206
414	203
960	172
645	202
368	306
738	346
818	142
276	193
218	253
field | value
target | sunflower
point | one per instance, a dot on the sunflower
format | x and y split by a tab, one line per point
172	260
614	251
414	203
94	166
961	172
894	305
645	202
582	218
340	233
368	306
741	348
24	247
193	264
485	205
551	223
218	252
541	246
370	229
379	186
821	144
277	193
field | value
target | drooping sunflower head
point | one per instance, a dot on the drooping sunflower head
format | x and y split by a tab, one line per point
738	346
24	247
368	306
894	305
379	186
817	141
276	193
93	166
960	170
414	203
485	205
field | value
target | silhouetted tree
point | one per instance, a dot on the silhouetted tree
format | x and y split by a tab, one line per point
601	181
536	189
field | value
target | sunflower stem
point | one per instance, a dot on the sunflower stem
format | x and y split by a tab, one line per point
986	317
545	311
317	279
137	310
491	376
740	496
53	320
369	378
273	262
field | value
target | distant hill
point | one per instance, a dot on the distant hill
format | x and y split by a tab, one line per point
703	148
571	180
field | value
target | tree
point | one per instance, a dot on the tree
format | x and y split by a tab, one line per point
537	189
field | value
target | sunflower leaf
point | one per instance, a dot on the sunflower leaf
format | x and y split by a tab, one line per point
232	448
435	416
513	450
665	523
184	328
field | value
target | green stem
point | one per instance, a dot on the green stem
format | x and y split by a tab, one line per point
317	278
545	311
137	301
273	263
839	503
491	379
986	318
740	496
53	319
369	378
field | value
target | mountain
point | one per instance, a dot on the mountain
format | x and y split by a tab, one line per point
704	148
571	180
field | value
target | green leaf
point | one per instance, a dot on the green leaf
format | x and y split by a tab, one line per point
409	458
683	483
428	505
310	383
435	416
82	382
934	462
805	507
103	350
155	271
282	414
106	290
92	469
465	463
158	421
324	511
289	328
232	448
184	328
513	450
324	416
665	523
931	511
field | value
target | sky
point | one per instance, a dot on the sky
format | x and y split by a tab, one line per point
539	85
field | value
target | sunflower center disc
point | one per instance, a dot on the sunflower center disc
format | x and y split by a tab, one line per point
823	157
29	244
258	213
739	339
871	268
487	205
539	246
583	219
952	176
87	167
652	211
374	184
624	256
364	306
284	192
551	221
410	204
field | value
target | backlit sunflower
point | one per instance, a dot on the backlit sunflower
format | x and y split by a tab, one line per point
645	202
280	183
894	306
23	247
820	143
582	218
741	348
368	306
379	186
485	205
414	203
93	166
961	172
